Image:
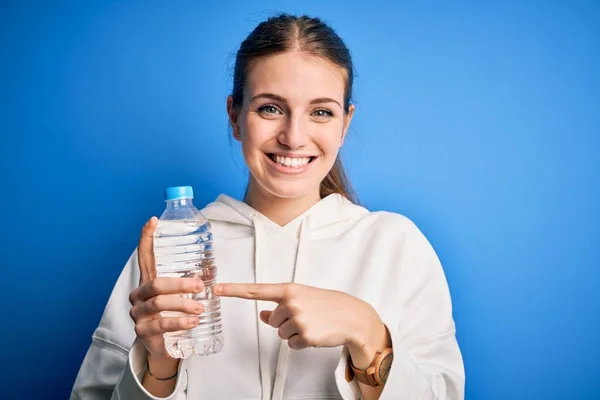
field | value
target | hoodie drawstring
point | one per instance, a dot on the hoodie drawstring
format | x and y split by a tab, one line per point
265	372
284	349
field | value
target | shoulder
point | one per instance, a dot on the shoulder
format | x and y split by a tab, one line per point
412	254
396	230
389	221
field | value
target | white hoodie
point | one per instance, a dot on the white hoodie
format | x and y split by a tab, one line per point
379	257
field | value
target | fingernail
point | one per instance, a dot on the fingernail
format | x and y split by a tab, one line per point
194	320
198	309
198	285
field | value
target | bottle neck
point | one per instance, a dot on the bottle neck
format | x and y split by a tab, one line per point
179	203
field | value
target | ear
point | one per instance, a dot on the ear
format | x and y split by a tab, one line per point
233	118
347	119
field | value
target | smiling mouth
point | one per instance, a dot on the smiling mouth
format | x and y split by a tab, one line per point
291	162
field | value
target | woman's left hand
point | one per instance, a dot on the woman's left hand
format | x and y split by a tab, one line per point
311	317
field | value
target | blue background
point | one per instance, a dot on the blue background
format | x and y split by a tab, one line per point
479	122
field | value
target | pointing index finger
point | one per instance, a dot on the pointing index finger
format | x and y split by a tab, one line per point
252	291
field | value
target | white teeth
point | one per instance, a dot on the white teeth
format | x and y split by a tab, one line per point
295	162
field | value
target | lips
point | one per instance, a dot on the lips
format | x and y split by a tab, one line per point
288	163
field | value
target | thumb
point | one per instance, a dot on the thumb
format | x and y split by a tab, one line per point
265	315
146	251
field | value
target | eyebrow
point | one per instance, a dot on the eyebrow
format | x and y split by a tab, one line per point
277	97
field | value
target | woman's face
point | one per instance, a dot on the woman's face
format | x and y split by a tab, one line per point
291	123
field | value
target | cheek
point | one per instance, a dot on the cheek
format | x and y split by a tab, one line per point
250	139
329	140
256	133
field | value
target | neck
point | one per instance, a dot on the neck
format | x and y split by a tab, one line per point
277	209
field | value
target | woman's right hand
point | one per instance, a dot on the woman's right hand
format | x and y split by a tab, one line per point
155	295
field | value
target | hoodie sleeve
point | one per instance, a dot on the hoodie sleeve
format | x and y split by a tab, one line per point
427	360
115	362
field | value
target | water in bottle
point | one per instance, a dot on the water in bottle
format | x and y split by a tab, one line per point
183	247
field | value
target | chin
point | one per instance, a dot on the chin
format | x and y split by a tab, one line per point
289	190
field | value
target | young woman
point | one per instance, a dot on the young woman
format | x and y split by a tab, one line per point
321	299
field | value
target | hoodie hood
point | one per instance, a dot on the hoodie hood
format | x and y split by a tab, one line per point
329	217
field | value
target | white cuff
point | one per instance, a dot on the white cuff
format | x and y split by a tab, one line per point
130	384
405	380
348	390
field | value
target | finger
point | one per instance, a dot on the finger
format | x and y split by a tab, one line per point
297	342
153	327
279	316
157	304
264	316
287	330
252	291
160	286
146	251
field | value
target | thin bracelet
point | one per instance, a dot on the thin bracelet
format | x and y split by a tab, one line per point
157	378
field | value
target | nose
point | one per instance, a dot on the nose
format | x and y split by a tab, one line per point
295	133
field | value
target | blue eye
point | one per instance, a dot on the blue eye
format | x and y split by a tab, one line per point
322	113
269	109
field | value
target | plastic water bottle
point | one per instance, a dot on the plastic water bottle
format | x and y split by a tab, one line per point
183	248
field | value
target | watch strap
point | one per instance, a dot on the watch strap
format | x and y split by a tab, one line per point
370	376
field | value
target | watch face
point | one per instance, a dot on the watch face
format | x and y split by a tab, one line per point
384	367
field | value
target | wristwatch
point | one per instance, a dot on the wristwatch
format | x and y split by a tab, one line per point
377	373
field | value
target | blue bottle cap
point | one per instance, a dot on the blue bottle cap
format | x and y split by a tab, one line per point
179	192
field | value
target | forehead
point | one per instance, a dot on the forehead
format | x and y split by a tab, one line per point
296	76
